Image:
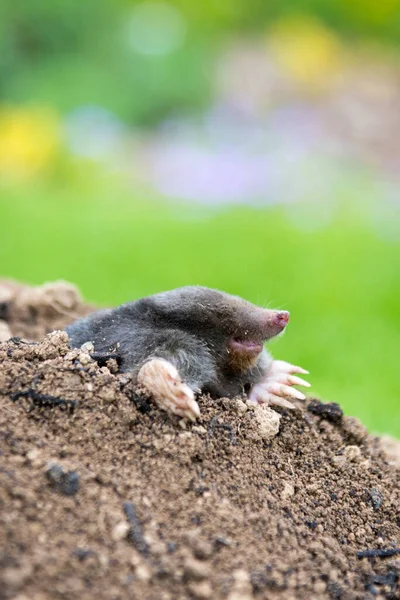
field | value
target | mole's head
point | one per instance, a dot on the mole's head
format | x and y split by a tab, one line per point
235	330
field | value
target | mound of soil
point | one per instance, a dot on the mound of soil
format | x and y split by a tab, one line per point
105	496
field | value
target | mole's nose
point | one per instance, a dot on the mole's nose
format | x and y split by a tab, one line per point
281	318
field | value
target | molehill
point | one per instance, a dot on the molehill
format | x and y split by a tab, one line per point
103	495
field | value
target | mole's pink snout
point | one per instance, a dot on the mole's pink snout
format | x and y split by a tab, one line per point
277	320
281	318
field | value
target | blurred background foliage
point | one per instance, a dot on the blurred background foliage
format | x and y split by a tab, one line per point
246	145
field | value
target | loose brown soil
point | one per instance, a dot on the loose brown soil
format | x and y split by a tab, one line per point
105	496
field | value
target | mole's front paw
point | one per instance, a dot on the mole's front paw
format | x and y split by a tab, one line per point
276	386
161	379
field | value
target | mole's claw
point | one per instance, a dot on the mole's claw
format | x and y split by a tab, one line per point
280	389
292	380
264	394
277	401
281	366
162	381
193	411
276	387
295	369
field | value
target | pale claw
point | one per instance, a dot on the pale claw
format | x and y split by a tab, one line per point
291	380
262	394
161	380
281	366
276	401
277	385
288	379
280	389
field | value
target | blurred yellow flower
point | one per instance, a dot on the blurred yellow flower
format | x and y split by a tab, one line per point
29	139
310	53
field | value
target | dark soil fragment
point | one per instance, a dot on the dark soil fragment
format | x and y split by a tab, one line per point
376	498
173	511
43	399
378	553
135	533
328	410
389	581
65	482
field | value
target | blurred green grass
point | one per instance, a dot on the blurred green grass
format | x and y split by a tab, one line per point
341	284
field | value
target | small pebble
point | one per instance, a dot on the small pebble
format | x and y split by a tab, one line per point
143	573
240	406
268	421
64	482
288	491
376	498
319	587
120	531
201	590
87	347
199	429
202	550
352	453
242	588
197	570
84	358
33	454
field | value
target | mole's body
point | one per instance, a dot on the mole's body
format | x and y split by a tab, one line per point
192	340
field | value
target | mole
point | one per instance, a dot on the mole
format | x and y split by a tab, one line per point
194	340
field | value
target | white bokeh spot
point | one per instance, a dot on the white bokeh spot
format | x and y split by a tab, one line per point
156	28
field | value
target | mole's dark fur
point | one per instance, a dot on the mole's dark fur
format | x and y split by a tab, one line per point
213	339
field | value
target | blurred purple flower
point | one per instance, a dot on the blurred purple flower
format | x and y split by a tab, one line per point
228	157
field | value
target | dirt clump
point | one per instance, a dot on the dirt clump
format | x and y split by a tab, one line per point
32	312
103	495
